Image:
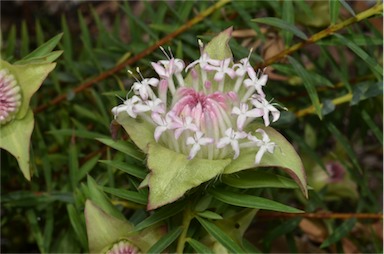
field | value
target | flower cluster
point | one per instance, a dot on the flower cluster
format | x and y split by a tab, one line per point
205	114
10	96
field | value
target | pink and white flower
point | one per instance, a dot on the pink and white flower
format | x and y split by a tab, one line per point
204	114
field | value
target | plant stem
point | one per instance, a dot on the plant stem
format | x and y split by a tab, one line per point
337	101
187	217
377	9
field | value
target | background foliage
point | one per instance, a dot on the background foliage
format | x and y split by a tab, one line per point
332	86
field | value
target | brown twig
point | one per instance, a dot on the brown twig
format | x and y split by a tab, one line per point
321	215
201	16
377	9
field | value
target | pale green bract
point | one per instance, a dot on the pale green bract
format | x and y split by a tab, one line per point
213	121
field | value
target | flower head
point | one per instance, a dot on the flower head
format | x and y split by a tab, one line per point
203	113
194	123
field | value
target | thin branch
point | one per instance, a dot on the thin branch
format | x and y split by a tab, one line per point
375	10
321	215
137	57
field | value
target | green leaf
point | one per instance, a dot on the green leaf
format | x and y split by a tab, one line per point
127	195
210	215
258	179
139	172
345	143
249	201
288	16
87	167
339	232
100	199
78	133
124	147
160	215
44	49
198	246
284	228
282	24
308	84
11	42
35	229
77	224
220	236
347	7
165	241
371	62
334	8
172	174
372	125
284	157
15	137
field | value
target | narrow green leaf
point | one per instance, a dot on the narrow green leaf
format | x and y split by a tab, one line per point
258	179
36	232
198	246
371	62
67	40
77	225
139	172
308	84
127	195
77	133
220	236
87	167
374	128
334	8
73	162
48	227
347	7
284	228
245	200
339	233
165	241
161	215
288	16
11	42
210	215
45	49
249	247
24	48
39	33
282	24
101	200
345	143
305	147
124	147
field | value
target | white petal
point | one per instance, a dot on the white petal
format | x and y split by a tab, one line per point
223	142
158	131
240	121
235	147
259	155
236	111
256	112
205	141
191	141
193	152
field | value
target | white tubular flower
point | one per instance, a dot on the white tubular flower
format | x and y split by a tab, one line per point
156	106
261	103
243	113
181	125
163	124
221	70
143	89
265	145
243	67
128	106
255	82
197	141
232	137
